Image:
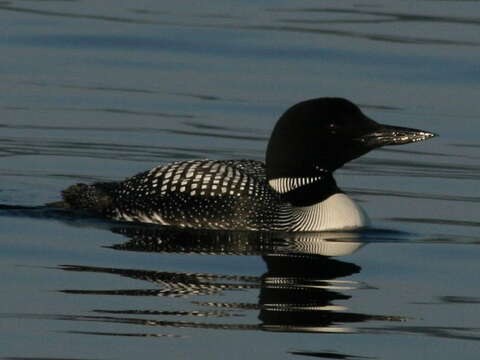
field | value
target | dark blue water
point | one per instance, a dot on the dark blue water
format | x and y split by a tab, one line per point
101	90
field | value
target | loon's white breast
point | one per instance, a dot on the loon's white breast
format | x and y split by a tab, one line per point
334	213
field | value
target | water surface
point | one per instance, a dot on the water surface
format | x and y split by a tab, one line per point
99	91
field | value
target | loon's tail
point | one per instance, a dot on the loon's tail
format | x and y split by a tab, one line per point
95	198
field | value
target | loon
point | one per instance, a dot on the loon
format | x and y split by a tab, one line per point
293	191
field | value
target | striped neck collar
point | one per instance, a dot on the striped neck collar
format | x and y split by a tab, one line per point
305	191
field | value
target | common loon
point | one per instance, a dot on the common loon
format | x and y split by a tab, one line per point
294	189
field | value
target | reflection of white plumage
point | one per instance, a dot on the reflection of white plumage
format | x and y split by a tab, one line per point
324	243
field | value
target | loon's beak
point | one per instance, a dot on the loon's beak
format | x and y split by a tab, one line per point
393	135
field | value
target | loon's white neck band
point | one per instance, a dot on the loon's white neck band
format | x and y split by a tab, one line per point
286	184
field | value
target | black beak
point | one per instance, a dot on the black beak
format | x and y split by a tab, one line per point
393	135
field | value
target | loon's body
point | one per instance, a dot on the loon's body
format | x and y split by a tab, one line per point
293	191
222	194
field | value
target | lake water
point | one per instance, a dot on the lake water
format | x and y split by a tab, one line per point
95	91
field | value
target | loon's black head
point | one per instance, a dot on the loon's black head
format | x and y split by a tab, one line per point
320	135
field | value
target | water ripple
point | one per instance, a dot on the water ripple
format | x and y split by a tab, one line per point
393	16
432	221
103	150
284	27
45	358
412	195
328	355
106	110
409	168
448	332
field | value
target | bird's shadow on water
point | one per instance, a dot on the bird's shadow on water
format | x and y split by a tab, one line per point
296	293
305	287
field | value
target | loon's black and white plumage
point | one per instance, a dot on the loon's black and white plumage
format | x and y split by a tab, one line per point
293	191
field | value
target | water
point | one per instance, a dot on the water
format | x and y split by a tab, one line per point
101	90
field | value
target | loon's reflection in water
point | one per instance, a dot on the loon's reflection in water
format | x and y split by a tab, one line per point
298	292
